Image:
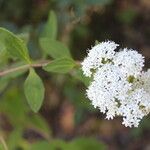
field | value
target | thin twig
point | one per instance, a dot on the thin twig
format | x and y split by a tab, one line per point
11	70
3	143
23	67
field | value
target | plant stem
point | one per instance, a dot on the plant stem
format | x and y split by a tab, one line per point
3	143
23	67
11	70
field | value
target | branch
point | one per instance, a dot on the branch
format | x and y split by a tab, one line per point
2	141
23	67
11	70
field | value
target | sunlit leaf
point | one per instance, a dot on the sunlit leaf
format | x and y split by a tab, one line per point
14	45
62	65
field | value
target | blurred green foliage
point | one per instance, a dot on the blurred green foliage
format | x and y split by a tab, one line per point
77	144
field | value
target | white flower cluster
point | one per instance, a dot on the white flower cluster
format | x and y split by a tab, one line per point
119	86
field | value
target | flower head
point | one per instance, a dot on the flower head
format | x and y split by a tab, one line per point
129	61
97	55
119	87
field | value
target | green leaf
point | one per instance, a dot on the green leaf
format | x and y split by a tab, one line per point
50	29
14	106
78	74
34	90
53	145
86	144
77	144
24	36
8	77
40	145
14	45
54	48
59	144
3	52
17	73
62	65
38	122
1	147
3	83
77	97
15	138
